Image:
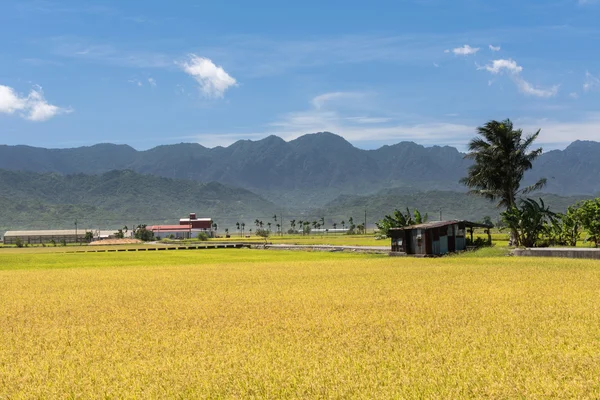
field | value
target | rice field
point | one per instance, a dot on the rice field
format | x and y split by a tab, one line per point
275	324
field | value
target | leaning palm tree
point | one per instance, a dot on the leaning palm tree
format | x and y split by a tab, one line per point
501	157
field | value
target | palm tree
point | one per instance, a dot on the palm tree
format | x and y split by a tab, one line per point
278	228
269	225
334	225
343	224
256	222
501	157
293	224
243	225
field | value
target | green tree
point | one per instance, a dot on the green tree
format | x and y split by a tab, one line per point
589	215
398	219
360	228
119	234
501	157
89	236
143	234
263	233
565	229
306	229
531	221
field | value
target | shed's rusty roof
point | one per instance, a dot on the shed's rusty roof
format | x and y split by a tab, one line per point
440	224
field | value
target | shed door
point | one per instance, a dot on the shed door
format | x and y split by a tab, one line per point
443	246
451	239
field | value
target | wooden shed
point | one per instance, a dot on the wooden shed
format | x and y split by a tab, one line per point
435	238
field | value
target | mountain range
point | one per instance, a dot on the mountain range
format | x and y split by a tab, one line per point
309	171
316	175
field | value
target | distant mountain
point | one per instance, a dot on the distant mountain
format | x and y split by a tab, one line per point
308	171
452	205
117	198
572	171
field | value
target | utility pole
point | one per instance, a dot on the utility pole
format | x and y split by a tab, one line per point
76	238
440	214
365	220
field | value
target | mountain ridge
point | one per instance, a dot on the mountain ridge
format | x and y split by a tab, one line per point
310	170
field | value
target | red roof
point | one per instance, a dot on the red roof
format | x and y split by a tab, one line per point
162	228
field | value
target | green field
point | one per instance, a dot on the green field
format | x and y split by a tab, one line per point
277	324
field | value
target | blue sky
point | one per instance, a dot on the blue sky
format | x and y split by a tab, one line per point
145	73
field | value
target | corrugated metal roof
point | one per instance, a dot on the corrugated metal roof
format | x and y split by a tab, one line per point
65	232
440	224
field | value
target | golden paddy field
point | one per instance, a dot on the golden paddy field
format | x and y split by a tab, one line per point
277	324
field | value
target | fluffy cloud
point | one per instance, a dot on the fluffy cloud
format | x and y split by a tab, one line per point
152	82
465	50
494	48
34	107
514	70
213	79
499	66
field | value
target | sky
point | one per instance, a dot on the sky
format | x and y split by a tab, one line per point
147	73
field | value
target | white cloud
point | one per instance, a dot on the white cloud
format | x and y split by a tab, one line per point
528	89
213	79
573	95
499	66
465	50
514	70
136	82
34	107
591	82
10	101
152	82
494	48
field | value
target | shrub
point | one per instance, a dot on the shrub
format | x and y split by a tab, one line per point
202	236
